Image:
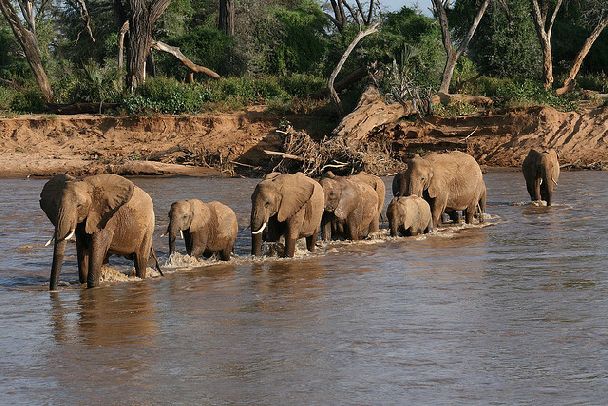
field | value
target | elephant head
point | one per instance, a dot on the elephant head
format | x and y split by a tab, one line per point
340	196
419	177
88	204
279	195
185	215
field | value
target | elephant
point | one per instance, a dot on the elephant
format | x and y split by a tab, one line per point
409	216
375	182
207	228
448	182
289	205
107	213
351	208
541	171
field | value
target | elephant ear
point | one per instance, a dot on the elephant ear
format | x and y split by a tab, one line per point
108	194
50	197
295	190
348	198
434	187
200	214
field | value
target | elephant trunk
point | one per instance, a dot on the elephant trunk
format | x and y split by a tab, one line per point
258	225
58	252
63	231
172	230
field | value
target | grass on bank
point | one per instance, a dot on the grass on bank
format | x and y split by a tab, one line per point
282	94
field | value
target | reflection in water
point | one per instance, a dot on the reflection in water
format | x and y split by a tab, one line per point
510	313
107	317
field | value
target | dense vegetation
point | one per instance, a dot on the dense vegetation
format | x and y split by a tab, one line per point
282	52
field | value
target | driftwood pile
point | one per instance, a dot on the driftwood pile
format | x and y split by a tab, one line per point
338	154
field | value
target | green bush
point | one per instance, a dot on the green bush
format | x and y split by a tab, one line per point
454	109
302	85
597	82
168	96
6	99
28	100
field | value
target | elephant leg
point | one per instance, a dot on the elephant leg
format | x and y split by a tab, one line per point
225	253
82	254
188	242
437	208
470	214
353	231
326	226
374	227
142	257
290	246
537	183
311	241
198	244
100	243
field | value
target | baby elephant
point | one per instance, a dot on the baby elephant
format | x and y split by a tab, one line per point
409	215
541	170
206	228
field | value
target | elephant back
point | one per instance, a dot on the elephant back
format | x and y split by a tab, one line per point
226	222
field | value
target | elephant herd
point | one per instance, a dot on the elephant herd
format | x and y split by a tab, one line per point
108	214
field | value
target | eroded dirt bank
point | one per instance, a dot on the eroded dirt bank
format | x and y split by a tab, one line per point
190	145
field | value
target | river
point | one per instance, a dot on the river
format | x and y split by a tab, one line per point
513	312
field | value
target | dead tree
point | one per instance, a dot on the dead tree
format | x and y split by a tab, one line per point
161	46
144	14
25	33
334	95
543	18
452	52
596	12
226	17
341	10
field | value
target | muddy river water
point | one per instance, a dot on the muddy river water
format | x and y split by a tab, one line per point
514	312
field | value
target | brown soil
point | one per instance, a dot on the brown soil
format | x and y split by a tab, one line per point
190	145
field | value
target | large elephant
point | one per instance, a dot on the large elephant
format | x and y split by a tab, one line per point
541	170
207	228
290	205
107	213
409	215
448	182
351	208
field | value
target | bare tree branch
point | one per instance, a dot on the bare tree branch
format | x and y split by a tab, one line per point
334	95
175	51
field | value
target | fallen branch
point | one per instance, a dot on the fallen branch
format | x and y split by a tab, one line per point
467	137
285	155
175	51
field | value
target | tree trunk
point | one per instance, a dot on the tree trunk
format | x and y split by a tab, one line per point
121	43
28	42
226	20
547	63
578	61
452	54
141	24
543	31
448	72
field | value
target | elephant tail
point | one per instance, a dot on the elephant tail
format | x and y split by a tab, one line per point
153	253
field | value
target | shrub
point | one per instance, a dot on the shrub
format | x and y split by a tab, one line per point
302	85
6	98
28	100
453	109
167	95
597	82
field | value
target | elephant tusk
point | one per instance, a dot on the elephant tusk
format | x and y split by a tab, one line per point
181	234
553	180
541	181
49	242
70	235
163	235
260	230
